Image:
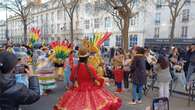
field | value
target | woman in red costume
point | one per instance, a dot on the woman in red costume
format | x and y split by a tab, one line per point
88	93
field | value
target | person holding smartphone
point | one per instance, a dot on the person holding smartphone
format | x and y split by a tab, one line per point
13	94
20	72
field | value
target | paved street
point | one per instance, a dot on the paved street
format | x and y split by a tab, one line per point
177	102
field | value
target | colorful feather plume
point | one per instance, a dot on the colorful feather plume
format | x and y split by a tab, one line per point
35	35
61	49
99	38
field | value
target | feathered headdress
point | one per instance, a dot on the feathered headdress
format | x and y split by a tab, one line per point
35	35
61	49
97	40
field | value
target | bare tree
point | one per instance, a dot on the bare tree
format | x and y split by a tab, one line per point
122	11
175	7
70	8
22	9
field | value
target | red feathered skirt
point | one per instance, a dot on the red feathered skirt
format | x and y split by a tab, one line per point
88	98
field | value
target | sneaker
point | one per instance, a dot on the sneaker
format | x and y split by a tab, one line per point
139	101
187	87
119	90
132	102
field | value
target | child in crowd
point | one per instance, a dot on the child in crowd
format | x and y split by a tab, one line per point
68	67
126	68
118	76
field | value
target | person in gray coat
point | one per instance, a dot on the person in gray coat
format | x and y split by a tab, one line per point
164	76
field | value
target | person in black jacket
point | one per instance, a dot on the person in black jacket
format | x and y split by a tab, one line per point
187	59
13	94
191	67
138	75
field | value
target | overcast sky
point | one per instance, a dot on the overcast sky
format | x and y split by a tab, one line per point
3	14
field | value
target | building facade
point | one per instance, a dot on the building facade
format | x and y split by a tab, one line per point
2	31
158	17
54	23
151	26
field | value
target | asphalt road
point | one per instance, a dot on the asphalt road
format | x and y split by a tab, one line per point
177	102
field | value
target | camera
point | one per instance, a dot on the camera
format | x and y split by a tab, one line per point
21	69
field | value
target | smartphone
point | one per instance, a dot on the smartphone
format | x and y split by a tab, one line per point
20	69
160	104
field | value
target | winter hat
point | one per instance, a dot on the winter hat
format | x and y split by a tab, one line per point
7	62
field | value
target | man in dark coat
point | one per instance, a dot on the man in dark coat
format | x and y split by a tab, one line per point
13	94
138	75
187	60
191	68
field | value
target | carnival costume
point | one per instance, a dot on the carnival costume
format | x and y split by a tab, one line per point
61	51
93	47
89	94
45	72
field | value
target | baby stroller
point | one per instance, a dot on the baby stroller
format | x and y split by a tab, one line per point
108	73
151	78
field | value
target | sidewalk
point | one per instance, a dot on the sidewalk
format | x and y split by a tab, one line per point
177	102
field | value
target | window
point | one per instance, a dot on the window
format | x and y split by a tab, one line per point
156	32
58	27
184	32
47	18
132	20
96	23
119	41
157	19
52	28
97	5
64	28
107	22
41	18
133	39
87	23
188	2
52	16
37	20
185	15
159	4
59	15
87	8
173	2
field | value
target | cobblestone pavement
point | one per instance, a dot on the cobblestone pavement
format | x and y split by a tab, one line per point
177	102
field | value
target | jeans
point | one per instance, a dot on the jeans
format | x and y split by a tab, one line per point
191	69
126	79
172	72
137	92
181	78
119	85
67	73
164	89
